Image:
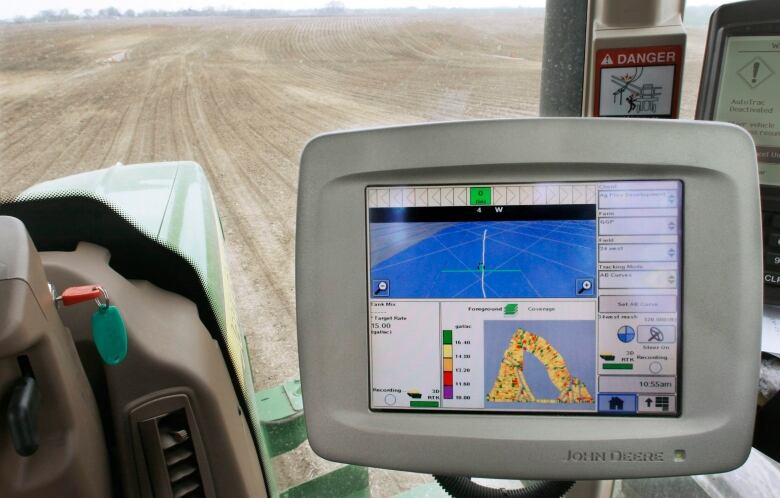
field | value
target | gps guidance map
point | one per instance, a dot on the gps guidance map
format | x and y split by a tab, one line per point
483	260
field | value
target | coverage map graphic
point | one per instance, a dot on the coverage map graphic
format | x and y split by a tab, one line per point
511	386
495	259
533	364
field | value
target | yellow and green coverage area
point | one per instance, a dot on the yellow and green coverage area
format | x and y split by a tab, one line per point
511	386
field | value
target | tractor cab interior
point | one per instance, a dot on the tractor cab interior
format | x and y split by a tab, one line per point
528	307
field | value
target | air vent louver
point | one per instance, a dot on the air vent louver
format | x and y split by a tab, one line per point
179	455
168	443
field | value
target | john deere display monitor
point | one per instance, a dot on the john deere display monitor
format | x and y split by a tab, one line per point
559	298
741	84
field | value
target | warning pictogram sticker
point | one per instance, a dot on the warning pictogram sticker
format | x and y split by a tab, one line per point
638	82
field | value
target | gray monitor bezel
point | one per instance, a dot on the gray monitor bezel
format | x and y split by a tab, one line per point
716	163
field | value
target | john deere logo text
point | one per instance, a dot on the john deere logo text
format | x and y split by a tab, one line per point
614	456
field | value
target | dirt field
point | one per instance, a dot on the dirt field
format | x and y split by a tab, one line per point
242	97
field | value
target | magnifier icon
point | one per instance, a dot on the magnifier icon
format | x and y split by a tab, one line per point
586	285
380	287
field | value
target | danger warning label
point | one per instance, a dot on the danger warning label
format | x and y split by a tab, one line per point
638	82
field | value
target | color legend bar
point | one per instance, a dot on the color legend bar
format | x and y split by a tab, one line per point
446	349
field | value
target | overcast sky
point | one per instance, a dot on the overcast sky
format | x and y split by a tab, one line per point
13	8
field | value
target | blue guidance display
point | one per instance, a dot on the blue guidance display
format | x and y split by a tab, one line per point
538	297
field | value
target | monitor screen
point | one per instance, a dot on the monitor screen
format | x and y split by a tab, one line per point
544	297
749	91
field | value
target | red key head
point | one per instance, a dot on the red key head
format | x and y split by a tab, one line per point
79	294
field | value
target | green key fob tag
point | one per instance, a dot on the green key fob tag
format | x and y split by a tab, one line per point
109	334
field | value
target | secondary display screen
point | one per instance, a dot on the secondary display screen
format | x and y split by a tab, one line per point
545	297
749	93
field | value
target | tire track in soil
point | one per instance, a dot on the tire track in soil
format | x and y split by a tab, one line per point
228	188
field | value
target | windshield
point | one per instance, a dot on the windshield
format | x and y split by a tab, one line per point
240	90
